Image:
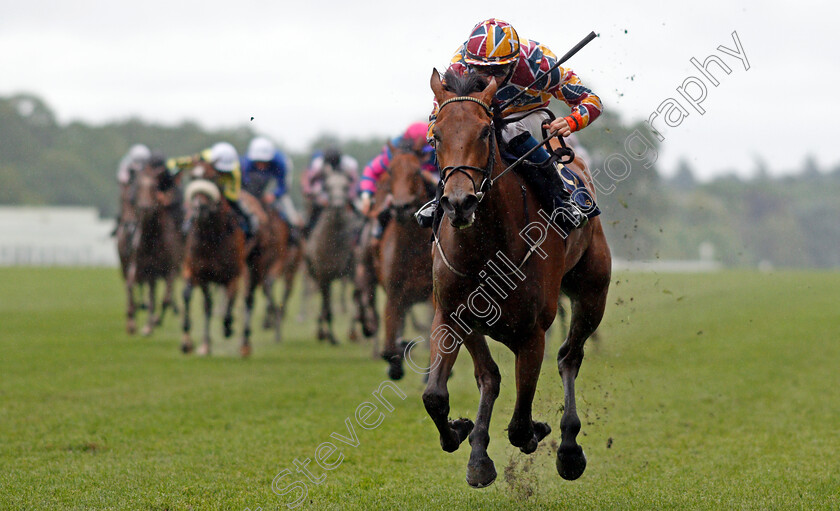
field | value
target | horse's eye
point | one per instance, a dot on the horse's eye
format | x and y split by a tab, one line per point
485	133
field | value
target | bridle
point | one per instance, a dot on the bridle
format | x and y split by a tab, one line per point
486	171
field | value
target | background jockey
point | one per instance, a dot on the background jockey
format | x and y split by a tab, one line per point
494	49
261	164
378	166
225	160
131	163
312	181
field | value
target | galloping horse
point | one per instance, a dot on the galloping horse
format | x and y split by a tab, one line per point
490	279
217	253
329	248
403	264
150	245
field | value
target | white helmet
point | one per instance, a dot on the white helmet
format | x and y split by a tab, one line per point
223	156
261	149
139	154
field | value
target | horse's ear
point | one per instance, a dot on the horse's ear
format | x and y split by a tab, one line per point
490	91
391	147
437	86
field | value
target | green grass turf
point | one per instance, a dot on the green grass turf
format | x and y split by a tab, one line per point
716	391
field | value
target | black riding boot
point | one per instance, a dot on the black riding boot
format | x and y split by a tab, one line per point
555	200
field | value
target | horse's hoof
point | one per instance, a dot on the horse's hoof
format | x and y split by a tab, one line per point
395	370
481	474
147	331
245	351
203	350
571	462
130	327
186	347
462	428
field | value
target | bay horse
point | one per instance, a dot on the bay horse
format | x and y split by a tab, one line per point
490	279
217	253
403	263
330	245
150	244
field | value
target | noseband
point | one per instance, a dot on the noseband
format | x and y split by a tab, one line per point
487	171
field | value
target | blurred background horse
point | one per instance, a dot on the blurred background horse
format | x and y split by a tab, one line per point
329	248
149	242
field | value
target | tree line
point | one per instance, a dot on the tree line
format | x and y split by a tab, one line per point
786	221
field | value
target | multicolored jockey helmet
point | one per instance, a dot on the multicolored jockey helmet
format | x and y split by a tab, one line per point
492	42
223	157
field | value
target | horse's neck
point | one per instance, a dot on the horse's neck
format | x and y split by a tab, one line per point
213	228
151	226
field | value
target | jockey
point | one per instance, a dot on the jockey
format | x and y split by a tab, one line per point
262	163
132	162
494	49
313	179
378	166
225	160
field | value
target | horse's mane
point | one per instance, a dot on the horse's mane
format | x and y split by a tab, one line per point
463	84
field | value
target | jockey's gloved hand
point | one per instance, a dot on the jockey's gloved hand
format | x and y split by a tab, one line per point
426	214
366	201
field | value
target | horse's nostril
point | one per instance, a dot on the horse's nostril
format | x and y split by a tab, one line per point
470	203
446	204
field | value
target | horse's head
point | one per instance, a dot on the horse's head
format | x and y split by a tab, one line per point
148	196
464	142
337	185
406	182
203	199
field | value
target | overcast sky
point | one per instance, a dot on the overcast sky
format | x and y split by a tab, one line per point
362	68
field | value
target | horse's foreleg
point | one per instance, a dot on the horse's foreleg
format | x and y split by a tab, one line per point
130	325
245	349
230	297
523	432
444	351
152	318
272	311
208	314
480	471
393	354
325	331
168	302
186	342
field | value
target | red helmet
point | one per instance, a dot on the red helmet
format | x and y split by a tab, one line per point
492	42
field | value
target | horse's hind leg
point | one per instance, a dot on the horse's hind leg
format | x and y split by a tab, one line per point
480	470
523	432
444	351
587	286
152	318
